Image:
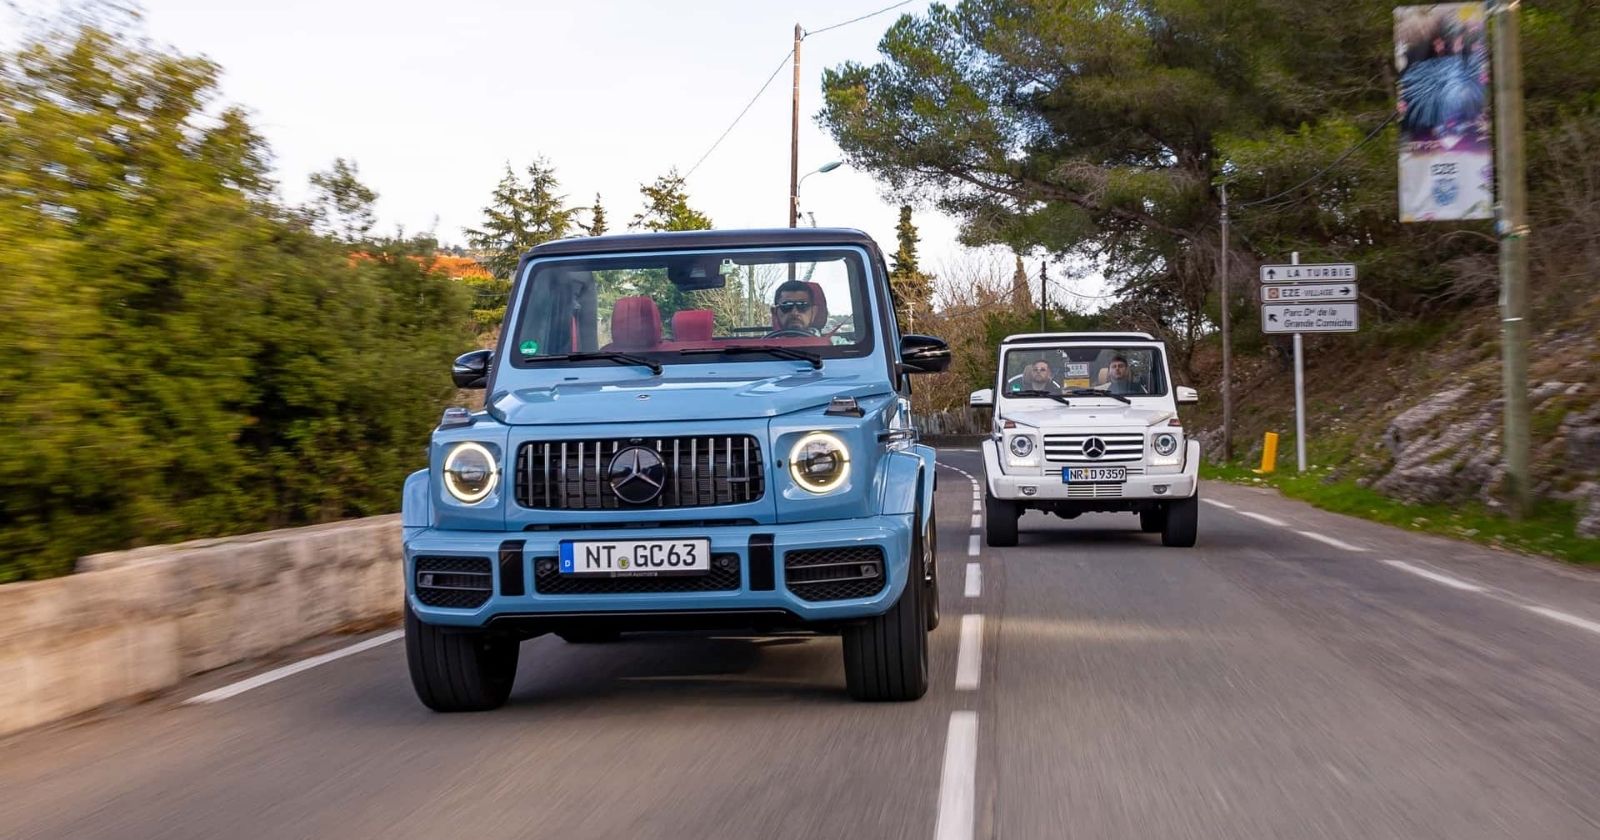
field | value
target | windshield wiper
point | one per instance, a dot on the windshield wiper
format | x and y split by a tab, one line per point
781	352
1034	392
610	356
1095	392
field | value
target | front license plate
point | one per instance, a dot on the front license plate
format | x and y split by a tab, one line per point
635	558
1090	474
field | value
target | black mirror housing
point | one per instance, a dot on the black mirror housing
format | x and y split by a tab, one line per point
471	370
923	354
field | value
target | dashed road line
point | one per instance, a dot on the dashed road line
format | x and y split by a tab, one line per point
276	674
974	580
1340	544
969	655
1436	577
1261	517
958	779
1564	618
972	546
1223	505
977	520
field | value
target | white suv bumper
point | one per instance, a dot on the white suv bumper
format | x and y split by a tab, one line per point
1180	485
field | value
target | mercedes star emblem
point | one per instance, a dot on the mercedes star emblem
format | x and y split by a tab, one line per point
1092	448
637	475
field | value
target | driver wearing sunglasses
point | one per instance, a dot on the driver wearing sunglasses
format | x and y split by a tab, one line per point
791	308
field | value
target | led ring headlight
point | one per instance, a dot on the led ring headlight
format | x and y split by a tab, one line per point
1022	446
1166	444
470	472
819	462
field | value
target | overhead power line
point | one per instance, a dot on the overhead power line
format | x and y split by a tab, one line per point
764	85
810	32
1326	169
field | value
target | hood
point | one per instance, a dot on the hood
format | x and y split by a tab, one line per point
669	398
1059	417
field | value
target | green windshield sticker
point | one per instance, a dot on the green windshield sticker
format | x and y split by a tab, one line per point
529	348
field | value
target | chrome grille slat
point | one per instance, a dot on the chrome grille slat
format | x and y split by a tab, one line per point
704	475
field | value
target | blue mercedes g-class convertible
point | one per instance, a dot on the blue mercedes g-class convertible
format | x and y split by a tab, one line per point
704	430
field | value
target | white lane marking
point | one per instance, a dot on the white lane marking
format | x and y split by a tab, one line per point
1223	505
974	580
977	507
969	656
958	780
977	519
1565	618
1454	583
276	674
972	546
1331	541
1261	517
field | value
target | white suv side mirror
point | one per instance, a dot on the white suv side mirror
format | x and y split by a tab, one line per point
982	399
1187	395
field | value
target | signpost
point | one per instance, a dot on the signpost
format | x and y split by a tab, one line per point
1298	299
1308	292
1296	273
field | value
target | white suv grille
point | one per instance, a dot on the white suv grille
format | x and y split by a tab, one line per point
1119	447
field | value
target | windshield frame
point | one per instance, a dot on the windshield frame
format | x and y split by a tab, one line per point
862	270
1159	360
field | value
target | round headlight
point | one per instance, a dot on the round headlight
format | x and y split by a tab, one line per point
1022	446
819	462
1166	444
470	472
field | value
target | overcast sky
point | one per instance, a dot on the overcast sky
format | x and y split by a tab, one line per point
432	99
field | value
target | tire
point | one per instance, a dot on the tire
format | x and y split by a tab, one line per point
930	599
590	637
1182	522
1152	521
1000	522
459	670
886	657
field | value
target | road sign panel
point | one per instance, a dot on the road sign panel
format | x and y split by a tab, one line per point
1341	272
1309	317
1307	292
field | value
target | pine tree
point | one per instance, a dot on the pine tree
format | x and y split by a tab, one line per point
597	218
520	215
341	206
913	290
667	206
1021	296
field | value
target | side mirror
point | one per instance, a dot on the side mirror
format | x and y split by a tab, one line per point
982	399
1187	395
471	370
923	354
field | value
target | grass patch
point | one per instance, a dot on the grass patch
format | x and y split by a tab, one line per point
1550	531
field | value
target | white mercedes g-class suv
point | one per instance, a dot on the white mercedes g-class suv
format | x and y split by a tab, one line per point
1087	422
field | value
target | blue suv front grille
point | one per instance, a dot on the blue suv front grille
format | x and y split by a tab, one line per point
698	471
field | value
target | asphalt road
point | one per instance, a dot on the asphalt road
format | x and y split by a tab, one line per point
1297	675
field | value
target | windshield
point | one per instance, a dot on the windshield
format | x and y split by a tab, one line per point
691	308
1040	373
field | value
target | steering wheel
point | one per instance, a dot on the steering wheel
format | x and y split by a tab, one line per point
790	334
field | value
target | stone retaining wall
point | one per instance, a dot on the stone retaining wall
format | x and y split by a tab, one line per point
133	623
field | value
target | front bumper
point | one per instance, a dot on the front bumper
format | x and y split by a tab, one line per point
891	533
1050	487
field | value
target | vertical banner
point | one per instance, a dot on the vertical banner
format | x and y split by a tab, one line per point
1446	152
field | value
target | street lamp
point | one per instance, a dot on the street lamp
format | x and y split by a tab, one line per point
794	200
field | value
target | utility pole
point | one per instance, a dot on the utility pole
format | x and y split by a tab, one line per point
1512	226
1044	292
1299	390
1227	341
794	136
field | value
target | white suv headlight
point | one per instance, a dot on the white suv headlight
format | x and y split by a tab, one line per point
1165	445
819	462
1021	448
470	472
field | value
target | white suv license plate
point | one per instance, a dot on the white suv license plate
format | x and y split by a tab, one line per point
1072	475
635	558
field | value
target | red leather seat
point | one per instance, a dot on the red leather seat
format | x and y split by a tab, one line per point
693	325
635	324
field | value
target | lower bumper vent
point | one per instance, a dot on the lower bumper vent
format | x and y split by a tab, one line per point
457	582
834	574
724	576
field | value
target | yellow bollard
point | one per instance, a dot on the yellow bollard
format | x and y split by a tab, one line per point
1269	454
